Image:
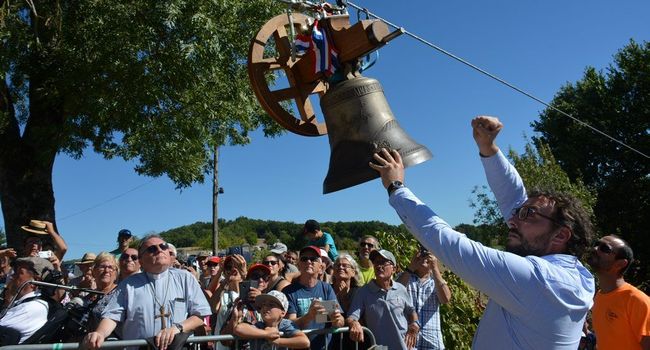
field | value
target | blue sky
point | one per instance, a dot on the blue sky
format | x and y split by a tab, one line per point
538	46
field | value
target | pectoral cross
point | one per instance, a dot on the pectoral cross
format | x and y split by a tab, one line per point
163	320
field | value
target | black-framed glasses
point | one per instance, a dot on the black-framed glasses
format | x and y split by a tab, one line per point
366	245
152	249
127	256
309	258
524	212
604	247
270	262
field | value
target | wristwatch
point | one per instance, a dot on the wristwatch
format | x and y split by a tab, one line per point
394	185
417	322
179	326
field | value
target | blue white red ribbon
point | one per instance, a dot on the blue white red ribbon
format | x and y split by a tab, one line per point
321	48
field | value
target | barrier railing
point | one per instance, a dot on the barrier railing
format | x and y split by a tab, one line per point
369	340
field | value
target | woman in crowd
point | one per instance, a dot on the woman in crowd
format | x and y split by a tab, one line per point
105	274
226	293
345	281
276	278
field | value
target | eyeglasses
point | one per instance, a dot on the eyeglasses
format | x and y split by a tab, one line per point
211	265
366	245
342	266
604	247
152	249
259	276
382	263
524	212
309	258
105	267
270	262
127	256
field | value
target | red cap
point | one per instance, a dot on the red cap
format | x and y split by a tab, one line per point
313	248
214	259
259	267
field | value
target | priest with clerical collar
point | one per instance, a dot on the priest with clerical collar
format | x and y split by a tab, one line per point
161	302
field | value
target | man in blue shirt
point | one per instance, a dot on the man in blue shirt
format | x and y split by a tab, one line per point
539	290
304	296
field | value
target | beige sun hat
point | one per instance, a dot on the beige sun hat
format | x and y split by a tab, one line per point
36	226
88	258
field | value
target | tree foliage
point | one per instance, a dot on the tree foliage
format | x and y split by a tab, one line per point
616	101
161	82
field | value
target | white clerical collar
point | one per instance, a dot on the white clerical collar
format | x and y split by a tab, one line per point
157	276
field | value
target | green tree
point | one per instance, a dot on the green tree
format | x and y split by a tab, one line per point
538	169
616	101
162	82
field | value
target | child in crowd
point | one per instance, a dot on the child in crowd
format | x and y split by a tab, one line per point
266	333
320	239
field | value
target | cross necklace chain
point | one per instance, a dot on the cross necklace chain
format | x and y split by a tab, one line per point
161	306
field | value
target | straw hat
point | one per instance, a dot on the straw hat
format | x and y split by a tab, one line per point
88	258
36	226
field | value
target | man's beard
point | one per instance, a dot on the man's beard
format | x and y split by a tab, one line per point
525	248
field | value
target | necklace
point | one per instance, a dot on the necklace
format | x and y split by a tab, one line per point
161	306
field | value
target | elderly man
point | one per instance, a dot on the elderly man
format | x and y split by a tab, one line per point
539	290
304	296
367	244
621	312
28	311
160	302
429	290
129	262
385	307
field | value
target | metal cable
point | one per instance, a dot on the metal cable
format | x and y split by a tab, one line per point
483	71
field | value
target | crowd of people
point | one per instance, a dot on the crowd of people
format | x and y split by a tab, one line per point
539	291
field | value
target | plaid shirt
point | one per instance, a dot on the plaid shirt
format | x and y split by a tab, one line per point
427	307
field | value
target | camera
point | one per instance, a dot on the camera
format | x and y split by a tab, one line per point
45	254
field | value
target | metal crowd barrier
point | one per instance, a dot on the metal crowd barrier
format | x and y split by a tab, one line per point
369	340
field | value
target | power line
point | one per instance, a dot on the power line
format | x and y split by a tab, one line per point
500	80
107	201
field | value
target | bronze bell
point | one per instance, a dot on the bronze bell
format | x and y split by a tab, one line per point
359	122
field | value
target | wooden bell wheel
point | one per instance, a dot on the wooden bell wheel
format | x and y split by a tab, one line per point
259	67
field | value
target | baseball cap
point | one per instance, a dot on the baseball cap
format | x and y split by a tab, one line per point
312	248
124	233
279	248
385	254
272	296
214	259
258	267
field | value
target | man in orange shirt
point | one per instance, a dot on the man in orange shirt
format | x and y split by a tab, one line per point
621	312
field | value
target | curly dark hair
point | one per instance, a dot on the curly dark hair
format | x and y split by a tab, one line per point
570	212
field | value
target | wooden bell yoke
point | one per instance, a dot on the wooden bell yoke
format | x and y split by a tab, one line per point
351	41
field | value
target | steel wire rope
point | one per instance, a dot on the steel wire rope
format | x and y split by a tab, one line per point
108	200
502	81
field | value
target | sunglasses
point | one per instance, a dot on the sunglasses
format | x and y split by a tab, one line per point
309	258
259	276
127	256
270	262
604	247
524	212
152	249
213	265
366	245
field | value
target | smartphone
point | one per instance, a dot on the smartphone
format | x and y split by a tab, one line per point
330	306
245	288
45	254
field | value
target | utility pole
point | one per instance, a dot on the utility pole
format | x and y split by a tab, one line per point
216	191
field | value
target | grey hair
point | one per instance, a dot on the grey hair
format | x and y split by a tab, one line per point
356	280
